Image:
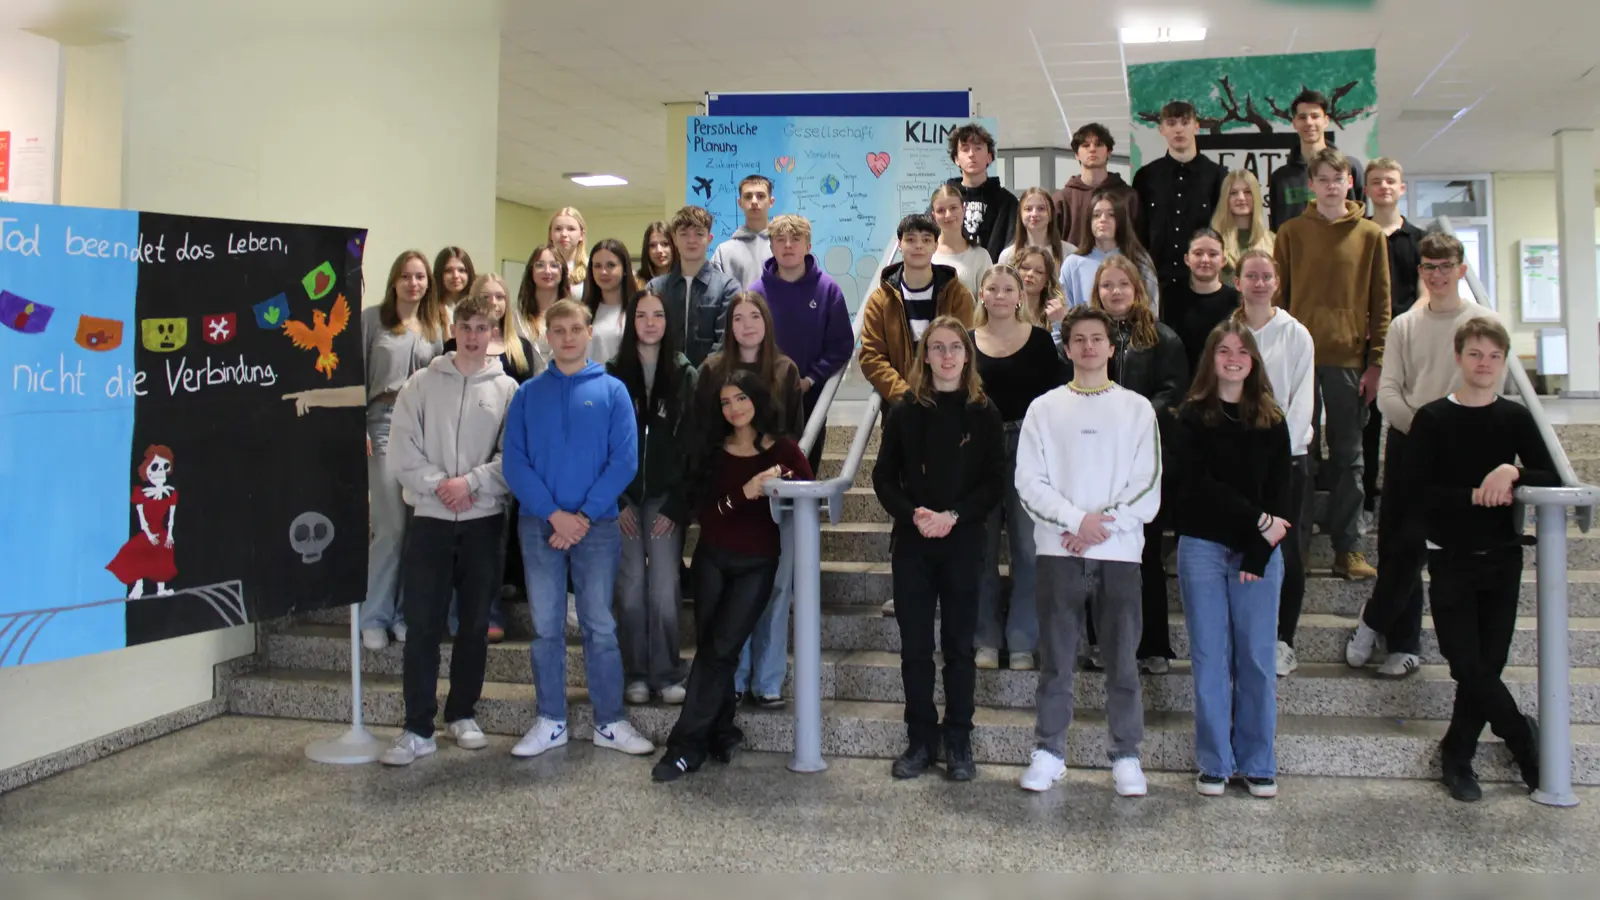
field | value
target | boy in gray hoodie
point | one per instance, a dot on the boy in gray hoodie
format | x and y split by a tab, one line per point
444	449
743	254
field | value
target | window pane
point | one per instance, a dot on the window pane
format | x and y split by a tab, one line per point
1457	199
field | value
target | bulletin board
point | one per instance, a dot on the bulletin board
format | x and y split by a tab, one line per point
1539	274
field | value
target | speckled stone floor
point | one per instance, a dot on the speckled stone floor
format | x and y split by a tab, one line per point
236	794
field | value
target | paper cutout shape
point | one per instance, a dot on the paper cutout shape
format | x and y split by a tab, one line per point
319	281
320	334
164	335
98	334
271	314
220	328
356	245
309	534
878	163
23	315
783	164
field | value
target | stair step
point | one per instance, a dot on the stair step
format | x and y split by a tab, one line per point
1316	689
1375	747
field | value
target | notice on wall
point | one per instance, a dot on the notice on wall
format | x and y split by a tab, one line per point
853	178
182	400
5	161
1243	105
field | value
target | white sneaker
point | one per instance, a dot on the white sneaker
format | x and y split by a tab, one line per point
572	613
544	735
1129	777
374	638
1022	662
1399	665
467	734
399	633
1359	649
1287	660
1044	770
637	693
1155	665
1095	661
621	735
407	748
986	658
674	694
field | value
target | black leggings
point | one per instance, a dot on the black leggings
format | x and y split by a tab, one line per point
1296	550
731	593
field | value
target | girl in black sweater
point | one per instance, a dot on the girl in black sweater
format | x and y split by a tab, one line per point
1017	361
939	473
1232	508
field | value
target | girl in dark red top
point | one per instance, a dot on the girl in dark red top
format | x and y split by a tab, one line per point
148	554
734	565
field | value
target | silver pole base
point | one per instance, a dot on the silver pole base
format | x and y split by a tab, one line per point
1544	798
353	748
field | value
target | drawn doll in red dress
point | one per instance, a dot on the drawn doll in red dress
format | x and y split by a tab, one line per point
148	555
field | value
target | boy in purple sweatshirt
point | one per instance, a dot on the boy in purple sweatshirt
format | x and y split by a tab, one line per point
810	318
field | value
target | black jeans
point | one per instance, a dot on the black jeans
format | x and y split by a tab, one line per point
731	592
441	558
1395	608
1371	435
938	579
1156	639
1296	550
1475	614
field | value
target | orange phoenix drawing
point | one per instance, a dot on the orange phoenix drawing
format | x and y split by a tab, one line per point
320	334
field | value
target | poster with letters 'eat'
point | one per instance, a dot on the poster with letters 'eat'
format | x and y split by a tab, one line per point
181	399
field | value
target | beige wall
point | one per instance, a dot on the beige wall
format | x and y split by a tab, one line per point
91	126
1524	209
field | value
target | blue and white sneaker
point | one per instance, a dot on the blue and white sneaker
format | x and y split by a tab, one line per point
544	735
621	735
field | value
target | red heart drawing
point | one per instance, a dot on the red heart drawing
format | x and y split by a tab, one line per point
322	282
878	163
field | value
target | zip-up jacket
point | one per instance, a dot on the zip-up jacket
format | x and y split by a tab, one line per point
1090	451
571	443
887	345
665	441
698	306
448	425
1287	355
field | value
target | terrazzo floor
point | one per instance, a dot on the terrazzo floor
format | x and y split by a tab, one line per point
236	794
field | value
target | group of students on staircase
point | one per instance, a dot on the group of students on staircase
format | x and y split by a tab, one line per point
1067	379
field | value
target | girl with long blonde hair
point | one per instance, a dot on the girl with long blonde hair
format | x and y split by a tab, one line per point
1241	219
570	235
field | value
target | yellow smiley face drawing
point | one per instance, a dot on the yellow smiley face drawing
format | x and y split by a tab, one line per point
164	335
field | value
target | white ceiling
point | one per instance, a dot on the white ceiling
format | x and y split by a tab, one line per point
582	86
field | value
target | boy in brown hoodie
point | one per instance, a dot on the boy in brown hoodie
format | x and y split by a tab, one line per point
911	294
1333	271
1092	144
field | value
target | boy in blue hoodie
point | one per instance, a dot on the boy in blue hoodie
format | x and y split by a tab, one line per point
571	448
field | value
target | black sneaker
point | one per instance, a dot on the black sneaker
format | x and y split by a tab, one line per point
958	757
1462	781
1210	785
765	701
673	766
912	763
723	748
1528	757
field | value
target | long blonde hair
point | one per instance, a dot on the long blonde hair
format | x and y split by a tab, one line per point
948	190
1052	280
1222	220
1141	318
1024	314
922	375
433	320
578	265
509	334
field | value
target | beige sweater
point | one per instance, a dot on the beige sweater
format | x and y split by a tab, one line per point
1419	364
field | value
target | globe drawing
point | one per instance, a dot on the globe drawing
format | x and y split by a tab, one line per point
830	184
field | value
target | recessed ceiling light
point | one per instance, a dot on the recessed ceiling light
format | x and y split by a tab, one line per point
1153	35
596	180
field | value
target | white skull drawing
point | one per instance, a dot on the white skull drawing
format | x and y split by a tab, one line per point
157	470
309	534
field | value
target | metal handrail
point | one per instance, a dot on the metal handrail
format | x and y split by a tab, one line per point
794	507
1550	525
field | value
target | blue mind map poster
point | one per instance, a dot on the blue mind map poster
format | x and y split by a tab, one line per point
852	178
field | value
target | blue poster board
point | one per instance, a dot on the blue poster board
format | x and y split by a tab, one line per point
853	178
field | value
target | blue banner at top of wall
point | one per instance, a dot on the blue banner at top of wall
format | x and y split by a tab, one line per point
911	104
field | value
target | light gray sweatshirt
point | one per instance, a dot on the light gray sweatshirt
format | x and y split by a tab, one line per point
447	425
742	255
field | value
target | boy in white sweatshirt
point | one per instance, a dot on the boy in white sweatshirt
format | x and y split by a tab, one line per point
1089	473
444	449
1419	368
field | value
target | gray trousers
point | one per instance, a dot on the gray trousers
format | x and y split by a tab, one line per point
1068	588
648	599
1339	397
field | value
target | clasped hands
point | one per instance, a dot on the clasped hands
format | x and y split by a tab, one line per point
933	524
455	493
1091	531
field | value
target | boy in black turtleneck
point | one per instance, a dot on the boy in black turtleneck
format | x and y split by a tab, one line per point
939	474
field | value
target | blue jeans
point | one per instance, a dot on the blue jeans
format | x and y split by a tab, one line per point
765	657
594	563
389	516
1233	638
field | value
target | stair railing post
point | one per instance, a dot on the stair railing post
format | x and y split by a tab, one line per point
807	544
1555	714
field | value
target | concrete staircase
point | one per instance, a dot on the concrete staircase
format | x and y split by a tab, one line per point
1333	720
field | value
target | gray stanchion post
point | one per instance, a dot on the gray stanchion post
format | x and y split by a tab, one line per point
807	531
1555	715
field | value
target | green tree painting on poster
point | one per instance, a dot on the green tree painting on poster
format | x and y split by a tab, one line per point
1243	104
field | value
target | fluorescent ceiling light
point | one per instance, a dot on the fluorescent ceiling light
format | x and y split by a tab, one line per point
598	180
1153	35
